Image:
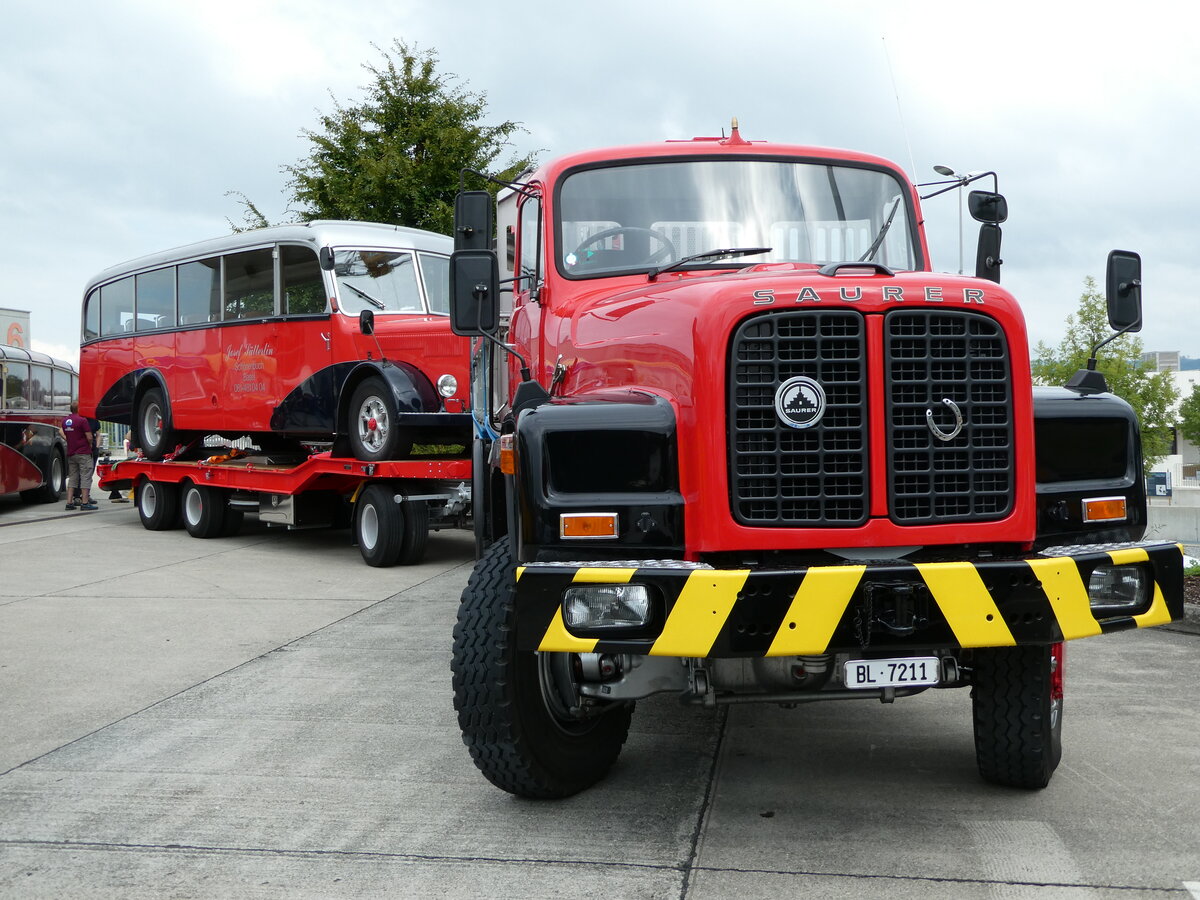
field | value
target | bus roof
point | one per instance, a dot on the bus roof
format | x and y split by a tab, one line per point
318	233
8	353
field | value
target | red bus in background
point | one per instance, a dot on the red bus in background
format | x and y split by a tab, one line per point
36	391
320	332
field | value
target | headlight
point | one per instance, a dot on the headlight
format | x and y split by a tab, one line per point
1118	588
601	606
447	386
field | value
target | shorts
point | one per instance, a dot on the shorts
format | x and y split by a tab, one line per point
79	471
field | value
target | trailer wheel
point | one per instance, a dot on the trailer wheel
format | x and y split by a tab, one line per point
158	505
518	710
234	519
379	526
375	432
204	510
152	423
416	532
1017	714
55	477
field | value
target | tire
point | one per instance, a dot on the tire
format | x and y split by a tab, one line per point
203	509
519	732
55	481
152	424
379	526
415	532
1018	720
374	424
158	505
234	519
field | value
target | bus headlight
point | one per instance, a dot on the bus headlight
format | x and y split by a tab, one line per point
447	386
1118	588
588	607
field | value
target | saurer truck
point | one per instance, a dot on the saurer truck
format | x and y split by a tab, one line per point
737	441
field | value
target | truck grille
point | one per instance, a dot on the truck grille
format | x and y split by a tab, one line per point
819	476
783	476
932	357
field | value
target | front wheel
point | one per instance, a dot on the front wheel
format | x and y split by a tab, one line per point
519	711
375	423
1017	706
55	481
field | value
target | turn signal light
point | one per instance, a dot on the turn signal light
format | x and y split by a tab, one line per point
1104	509
508	457
587	526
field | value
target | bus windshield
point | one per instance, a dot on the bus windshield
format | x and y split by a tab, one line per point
380	280
649	215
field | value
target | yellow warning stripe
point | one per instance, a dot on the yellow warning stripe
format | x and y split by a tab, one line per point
815	611
966	604
1064	588
700	612
557	638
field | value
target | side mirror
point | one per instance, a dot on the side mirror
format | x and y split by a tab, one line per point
987	206
987	256
474	292
325	258
1124	290
366	321
473	216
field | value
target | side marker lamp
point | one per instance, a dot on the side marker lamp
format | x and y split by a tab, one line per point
1118	588
1104	509
588	607
588	526
508	456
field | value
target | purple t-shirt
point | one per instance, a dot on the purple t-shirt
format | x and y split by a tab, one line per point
79	435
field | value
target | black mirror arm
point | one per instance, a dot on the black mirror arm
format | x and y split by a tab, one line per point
960	183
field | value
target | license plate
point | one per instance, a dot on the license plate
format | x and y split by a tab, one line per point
918	671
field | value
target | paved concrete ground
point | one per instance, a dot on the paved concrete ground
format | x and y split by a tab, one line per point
266	716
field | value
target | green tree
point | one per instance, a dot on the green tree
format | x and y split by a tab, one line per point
1151	394
396	156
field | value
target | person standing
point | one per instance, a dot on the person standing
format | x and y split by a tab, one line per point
80	443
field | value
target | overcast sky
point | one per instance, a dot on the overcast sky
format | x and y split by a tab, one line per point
125	124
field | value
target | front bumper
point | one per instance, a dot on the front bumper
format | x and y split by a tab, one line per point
702	612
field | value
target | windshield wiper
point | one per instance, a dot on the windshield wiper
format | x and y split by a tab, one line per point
707	254
378	304
874	248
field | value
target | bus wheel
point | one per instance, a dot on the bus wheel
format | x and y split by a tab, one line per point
519	711
375	424
1017	708
55	478
203	510
158	505
379	526
154	432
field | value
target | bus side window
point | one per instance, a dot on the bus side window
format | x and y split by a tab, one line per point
156	299
41	390
200	292
16	385
116	307
303	286
91	317
64	390
250	285
435	270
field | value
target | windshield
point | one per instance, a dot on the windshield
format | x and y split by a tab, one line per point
648	215
380	280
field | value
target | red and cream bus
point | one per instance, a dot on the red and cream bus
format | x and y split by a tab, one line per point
36	391
318	332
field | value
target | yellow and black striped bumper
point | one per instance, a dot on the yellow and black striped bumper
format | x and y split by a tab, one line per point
706	612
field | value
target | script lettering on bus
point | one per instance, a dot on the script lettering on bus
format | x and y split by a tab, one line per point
887	294
249	362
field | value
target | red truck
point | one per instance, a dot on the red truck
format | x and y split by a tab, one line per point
753	448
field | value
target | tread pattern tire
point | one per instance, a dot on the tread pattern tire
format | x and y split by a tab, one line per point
416	532
513	737
55	481
155	441
379	526
1018	727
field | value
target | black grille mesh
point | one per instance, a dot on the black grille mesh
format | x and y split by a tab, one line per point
781	476
962	357
818	476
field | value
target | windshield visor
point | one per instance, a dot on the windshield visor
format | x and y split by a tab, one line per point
644	216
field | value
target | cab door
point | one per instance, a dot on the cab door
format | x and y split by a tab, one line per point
302	346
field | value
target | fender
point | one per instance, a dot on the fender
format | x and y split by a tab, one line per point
120	399
411	389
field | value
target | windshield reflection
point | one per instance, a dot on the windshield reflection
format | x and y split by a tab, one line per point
381	280
643	216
